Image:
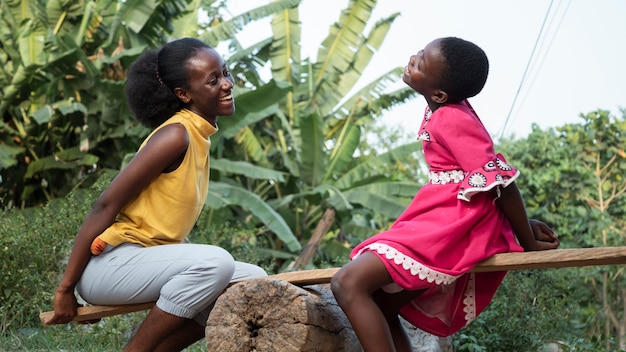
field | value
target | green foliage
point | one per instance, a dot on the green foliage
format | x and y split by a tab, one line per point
573	178
530	308
34	245
312	132
62	106
244	242
294	138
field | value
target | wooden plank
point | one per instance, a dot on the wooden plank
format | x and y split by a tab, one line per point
307	277
558	258
88	313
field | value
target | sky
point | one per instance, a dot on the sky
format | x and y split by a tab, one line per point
550	60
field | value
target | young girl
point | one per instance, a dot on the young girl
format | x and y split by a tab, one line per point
470	210
130	250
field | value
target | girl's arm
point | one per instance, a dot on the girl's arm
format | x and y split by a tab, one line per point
164	150
532	235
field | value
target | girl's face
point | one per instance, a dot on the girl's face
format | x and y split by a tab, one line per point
210	92
424	70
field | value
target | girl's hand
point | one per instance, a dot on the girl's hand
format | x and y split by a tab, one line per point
545	238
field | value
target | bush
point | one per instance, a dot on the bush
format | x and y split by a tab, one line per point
34	245
531	308
245	244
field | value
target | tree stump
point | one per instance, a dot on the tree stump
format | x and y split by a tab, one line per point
274	315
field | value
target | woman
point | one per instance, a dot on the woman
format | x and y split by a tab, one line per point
129	249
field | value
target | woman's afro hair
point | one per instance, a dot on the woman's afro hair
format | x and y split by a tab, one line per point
152	78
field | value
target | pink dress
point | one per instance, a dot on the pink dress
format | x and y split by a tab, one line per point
451	224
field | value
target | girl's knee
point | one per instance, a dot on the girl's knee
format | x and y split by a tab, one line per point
340	284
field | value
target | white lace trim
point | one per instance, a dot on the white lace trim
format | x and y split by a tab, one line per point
444	177
430	275
469	302
411	265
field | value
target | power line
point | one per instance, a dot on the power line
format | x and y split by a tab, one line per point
537	40
542	59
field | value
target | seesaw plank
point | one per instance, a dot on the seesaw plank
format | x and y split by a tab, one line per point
559	258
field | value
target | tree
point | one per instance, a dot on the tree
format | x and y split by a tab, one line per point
574	179
63	109
288	153
62	73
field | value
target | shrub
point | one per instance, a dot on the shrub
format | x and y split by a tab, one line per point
531	308
34	245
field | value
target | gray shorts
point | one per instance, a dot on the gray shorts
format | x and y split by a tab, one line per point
184	279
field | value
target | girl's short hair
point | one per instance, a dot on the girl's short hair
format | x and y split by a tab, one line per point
466	70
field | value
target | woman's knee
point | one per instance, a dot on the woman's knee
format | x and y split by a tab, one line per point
245	271
218	267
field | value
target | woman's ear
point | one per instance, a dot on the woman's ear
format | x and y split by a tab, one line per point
182	95
440	96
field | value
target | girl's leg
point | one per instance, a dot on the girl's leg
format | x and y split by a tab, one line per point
390	304
353	287
372	312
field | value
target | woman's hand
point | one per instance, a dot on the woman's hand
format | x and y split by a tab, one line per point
65	308
545	238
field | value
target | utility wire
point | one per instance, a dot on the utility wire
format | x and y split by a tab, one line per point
519	88
545	53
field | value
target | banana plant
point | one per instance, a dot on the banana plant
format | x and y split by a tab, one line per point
313	133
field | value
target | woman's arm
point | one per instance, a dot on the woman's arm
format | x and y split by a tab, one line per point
532	235
164	149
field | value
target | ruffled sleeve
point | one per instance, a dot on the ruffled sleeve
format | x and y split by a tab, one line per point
495	172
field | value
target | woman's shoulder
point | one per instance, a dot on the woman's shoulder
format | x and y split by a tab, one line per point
172	134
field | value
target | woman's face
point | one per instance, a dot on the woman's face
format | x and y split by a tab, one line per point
210	92
424	70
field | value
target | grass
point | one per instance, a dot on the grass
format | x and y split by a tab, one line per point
110	334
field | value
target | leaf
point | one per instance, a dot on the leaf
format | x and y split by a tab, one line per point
361	171
249	108
252	145
343	151
341	203
379	197
285	48
313	151
246	169
233	195
226	30
66	159
136	13
8	154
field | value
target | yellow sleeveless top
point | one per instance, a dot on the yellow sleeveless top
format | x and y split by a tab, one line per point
168	208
